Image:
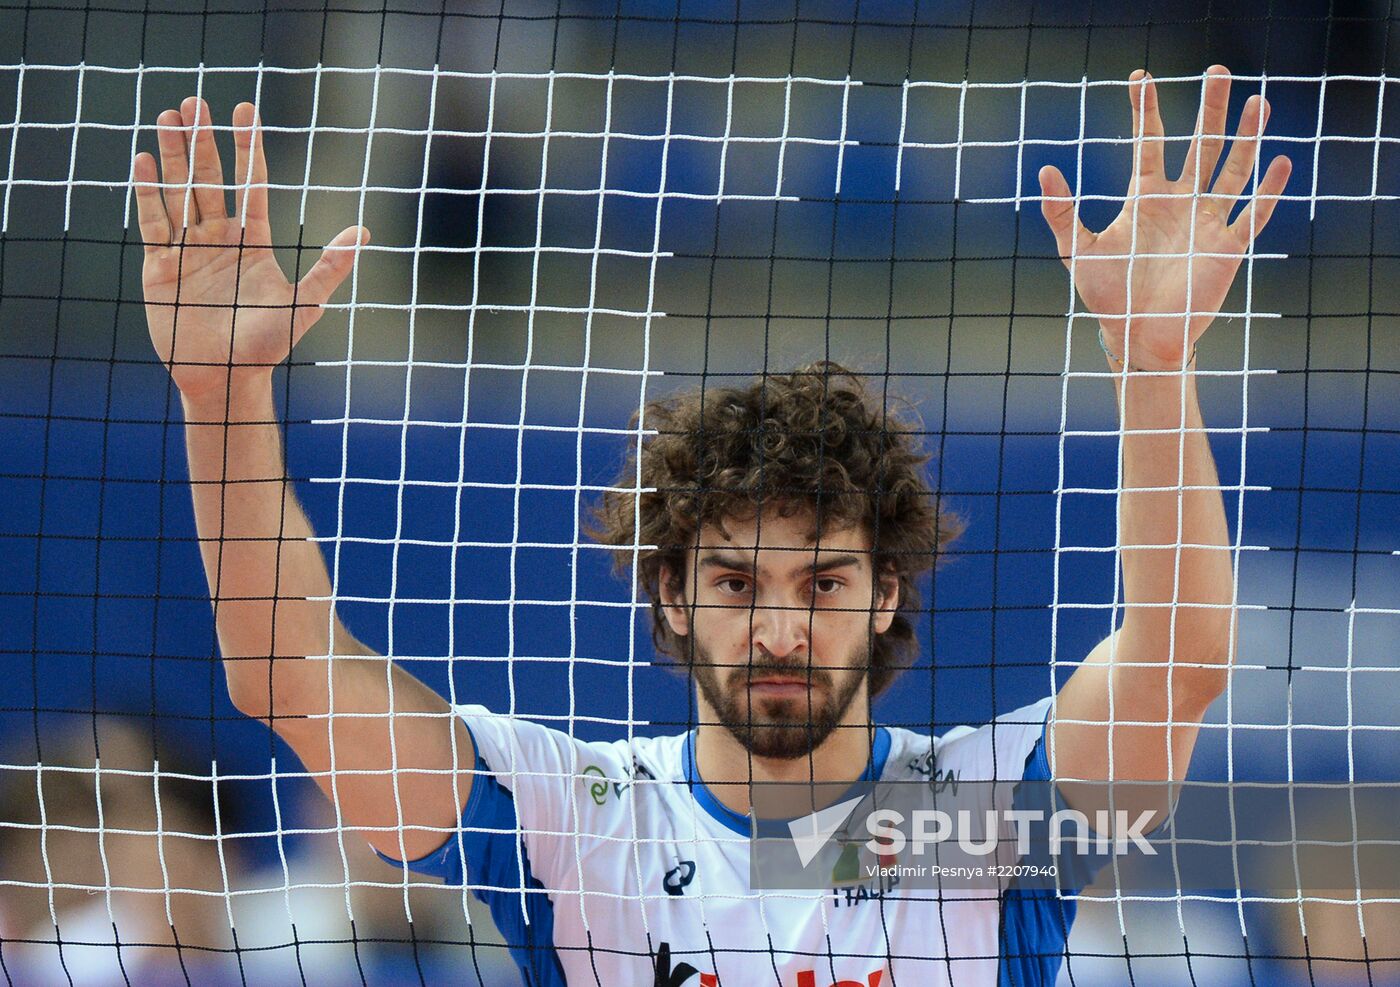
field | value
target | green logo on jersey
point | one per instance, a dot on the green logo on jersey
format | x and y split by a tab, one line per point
847	869
597	789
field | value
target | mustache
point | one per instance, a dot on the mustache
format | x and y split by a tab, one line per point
766	669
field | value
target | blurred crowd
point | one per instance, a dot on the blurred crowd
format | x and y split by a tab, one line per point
102	882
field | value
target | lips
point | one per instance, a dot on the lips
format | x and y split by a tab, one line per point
779	687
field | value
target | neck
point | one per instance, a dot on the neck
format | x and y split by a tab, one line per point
728	769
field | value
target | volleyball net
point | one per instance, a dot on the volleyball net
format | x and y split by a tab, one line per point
575	214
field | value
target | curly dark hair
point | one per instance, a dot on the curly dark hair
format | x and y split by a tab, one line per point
811	440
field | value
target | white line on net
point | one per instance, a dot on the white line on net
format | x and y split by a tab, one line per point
1091	896
461	468
347	130
1020	144
1376	165
845	119
841	143
102	850
520	462
1317	148
470	364
1339	786
1055	601
962	136
572	799
160	843
335	568
73	153
1351	769
310	146
901	142
128	201
282	832
786	138
493	76
358	305
1233	656
14	150
414	283
218	841
640	425
670	77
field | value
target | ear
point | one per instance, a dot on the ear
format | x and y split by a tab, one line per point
674	606
886	602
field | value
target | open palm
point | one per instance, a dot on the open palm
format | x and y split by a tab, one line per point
217	301
1172	249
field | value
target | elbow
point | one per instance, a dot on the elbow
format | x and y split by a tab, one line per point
252	701
1191	669
1199	674
1195	690
269	692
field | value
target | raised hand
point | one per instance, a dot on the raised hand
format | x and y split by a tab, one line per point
218	305
1173	238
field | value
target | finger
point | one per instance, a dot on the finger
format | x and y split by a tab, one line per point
331	269
1057	206
1147	125
1243	150
150	207
204	152
1255	216
251	175
175	171
1204	153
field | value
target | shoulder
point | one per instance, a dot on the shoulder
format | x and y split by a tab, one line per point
993	751
997	750
511	744
624	767
663	758
910	755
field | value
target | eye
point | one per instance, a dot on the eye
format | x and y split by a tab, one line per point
732	584
827	585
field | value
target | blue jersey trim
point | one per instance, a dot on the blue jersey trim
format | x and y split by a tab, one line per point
1035	922
490	840
874	768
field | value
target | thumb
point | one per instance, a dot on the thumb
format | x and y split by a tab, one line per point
332	267
1057	206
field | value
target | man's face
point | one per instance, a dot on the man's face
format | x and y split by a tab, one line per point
779	628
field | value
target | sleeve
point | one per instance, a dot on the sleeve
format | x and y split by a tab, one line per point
520	817
1076	870
525	787
998	751
1008	762
1037	913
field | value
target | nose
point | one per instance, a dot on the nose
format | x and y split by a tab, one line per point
781	629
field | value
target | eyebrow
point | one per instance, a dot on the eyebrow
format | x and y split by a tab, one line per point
743	563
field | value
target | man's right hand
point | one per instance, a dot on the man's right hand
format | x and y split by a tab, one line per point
219	308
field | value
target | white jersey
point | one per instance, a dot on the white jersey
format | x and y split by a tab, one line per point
612	864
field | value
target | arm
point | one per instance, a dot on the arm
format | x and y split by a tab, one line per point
287	658
1133	709
1155	677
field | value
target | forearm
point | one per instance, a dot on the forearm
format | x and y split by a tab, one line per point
267	579
270	589
1173	545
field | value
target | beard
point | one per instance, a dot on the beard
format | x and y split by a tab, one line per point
785	728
